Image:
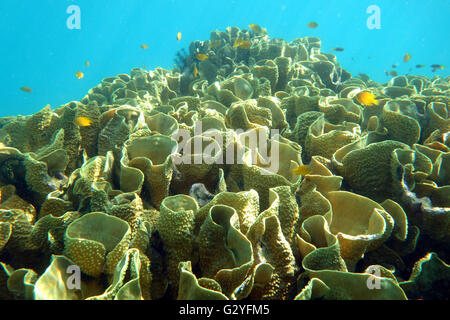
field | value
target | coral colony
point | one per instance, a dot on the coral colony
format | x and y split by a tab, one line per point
254	169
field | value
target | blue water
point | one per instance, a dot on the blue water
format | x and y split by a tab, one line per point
39	51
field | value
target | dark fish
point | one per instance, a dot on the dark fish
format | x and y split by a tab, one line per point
394	66
420	66
312	25
339	49
26	89
436	67
393	73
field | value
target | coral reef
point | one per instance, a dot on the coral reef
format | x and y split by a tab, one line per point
185	185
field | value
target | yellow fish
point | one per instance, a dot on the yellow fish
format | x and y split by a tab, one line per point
82	121
302	170
26	89
201	56
79	75
366	98
195	72
255	28
312	25
144	46
241	43
87	63
179	36
406	57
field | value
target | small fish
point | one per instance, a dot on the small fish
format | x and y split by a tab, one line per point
302	170
179	36
144	46
144	66
241	43
436	67
82	121
79	75
87	63
420	66
339	49
26	89
406	57
393	73
215	43
386	73
201	56
255	28
366	98
312	25
195	72
394	66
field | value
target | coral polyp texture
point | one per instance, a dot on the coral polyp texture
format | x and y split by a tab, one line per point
254	173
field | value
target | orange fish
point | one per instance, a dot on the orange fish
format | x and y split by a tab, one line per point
366	98
144	46
79	75
201	56
179	36
302	170
82	121
406	57
312	25
26	89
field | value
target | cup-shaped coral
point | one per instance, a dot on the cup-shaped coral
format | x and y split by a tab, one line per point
175	226
224	252
153	156
359	224
94	240
60	281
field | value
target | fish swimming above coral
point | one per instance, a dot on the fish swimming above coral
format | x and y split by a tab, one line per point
26	89
366	98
